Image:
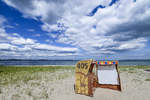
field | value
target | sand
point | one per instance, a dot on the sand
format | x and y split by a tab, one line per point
134	87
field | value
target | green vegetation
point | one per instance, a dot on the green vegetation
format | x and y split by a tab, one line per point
132	68
31	69
147	79
38	82
0	91
12	74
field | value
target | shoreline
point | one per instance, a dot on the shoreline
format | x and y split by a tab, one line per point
35	65
59	65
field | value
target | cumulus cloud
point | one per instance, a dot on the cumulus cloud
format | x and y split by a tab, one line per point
22	41
51	10
52	35
123	26
12	45
39	46
120	27
14	38
7	47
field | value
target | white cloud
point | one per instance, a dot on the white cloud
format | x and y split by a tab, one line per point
9	26
52	35
55	27
22	41
20	46
53	48
2	21
48	40
14	38
12	45
37	35
121	27
51	10
124	20
16	34
31	30
5	46
132	44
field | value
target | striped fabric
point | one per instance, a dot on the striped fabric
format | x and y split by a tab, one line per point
106	62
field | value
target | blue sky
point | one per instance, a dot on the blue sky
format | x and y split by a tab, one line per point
74	29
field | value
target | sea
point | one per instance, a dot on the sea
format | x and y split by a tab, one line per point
65	62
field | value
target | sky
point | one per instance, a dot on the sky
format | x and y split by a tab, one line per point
75	29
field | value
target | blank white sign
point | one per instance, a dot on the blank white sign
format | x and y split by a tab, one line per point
107	75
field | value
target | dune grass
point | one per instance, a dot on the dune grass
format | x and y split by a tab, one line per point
132	68
31	79
147	79
12	74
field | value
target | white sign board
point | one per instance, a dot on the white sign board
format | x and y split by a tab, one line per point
108	75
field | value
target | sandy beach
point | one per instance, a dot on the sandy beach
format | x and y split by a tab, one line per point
58	85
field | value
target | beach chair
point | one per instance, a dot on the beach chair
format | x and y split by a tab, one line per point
96	74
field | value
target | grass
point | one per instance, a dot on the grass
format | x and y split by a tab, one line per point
132	68
12	74
34	77
15	97
147	79
0	91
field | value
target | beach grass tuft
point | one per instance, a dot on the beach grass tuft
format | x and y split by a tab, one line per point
148	79
132	68
12	75
0	91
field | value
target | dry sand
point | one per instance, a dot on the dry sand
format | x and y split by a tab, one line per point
134	87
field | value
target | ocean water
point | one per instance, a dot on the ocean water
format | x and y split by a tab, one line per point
67	62
38	62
